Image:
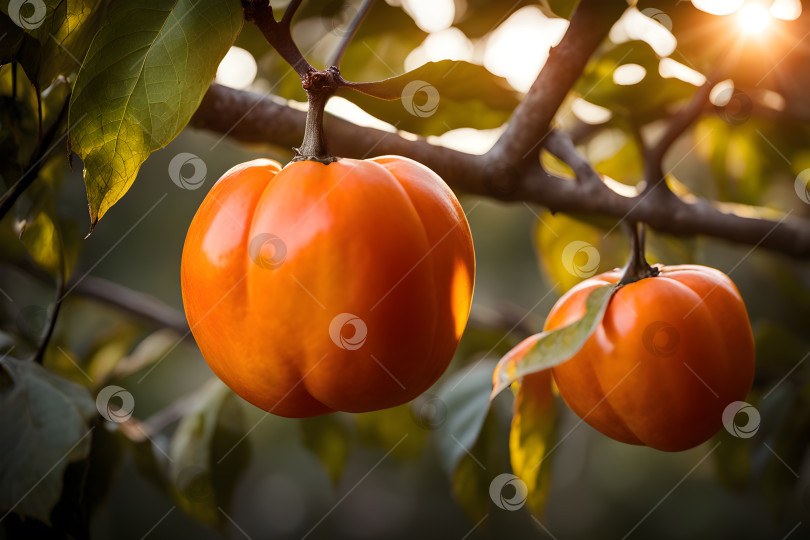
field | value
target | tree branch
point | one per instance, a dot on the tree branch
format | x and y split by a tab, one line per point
277	33
266	119
590	24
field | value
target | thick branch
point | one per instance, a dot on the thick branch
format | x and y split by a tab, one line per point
590	25
266	119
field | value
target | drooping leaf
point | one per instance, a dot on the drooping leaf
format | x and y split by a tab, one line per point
548	349
534	426
329	438
466	395
201	479
45	427
482	16
437	97
472	442
144	76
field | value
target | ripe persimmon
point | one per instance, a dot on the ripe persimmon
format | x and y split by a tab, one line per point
328	287
671	353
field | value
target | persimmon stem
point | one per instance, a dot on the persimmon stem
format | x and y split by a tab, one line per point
320	86
637	267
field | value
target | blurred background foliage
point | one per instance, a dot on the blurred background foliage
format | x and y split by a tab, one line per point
196	461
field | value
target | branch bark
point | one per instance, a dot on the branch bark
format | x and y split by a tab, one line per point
266	119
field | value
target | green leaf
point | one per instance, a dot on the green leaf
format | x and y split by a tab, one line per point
202	479
643	102
472	442
63	31
44	419
329	438
144	76
151	349
482	16
548	349
437	97
534	426
466	396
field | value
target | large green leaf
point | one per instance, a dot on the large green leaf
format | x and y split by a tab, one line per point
548	349
44	419
437	97
201	480
144	76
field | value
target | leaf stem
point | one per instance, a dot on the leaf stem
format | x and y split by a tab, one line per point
637	267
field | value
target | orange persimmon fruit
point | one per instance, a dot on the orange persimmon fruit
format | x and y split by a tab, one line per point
328	287
672	351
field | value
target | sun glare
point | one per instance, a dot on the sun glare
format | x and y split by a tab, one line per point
753	19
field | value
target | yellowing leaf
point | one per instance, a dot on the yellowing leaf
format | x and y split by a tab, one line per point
534	426
144	76
548	349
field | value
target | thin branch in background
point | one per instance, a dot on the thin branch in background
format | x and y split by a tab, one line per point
561	146
289	13
61	274
34	164
351	30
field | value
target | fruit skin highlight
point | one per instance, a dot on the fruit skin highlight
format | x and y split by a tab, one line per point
670	354
318	288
